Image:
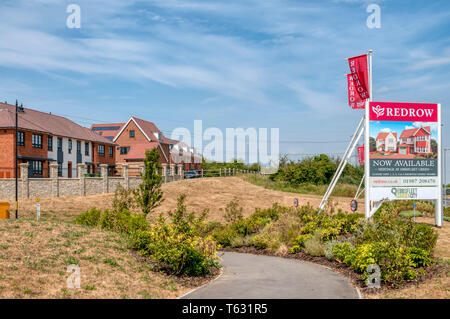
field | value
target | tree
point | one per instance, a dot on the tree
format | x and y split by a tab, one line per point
434	146
149	194
372	144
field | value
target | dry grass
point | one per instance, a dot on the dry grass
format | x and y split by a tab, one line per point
34	257
211	193
42	255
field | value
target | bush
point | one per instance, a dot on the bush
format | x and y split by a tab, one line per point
224	235
90	217
113	220
314	245
178	252
396	263
122	221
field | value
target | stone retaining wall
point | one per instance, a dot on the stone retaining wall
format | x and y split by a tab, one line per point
80	186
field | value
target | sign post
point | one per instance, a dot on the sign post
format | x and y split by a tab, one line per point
403	161
38	209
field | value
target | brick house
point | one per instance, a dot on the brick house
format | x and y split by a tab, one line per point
387	142
44	138
415	141
136	136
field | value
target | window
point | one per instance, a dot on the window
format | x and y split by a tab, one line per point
78	147
131	133
70	146
111	151
86	148
37	141
59	144
36	167
101	150
21	138
107	128
50	143
124	150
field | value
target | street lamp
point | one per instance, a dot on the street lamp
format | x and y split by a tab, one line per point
16	161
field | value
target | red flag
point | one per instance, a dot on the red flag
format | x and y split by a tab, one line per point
358	69
361	154
354	99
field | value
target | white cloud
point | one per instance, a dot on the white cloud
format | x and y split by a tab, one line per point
385	130
433	125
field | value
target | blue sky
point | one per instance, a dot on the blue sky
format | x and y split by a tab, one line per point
272	63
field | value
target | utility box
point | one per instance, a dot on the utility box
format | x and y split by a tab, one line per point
4	210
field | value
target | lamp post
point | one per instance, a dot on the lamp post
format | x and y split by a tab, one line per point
16	161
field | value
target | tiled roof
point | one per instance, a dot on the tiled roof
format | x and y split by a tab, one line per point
47	123
150	128
414	132
382	136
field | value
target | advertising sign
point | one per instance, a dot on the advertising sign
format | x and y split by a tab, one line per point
404	150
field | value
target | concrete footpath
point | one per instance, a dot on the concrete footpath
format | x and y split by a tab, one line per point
248	276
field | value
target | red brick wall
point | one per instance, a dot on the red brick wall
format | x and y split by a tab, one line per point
6	153
7	150
124	140
97	159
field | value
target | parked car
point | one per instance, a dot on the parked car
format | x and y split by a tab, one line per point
191	174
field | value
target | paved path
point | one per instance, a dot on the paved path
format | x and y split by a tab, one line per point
249	276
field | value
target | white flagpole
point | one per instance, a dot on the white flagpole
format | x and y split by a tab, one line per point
367	202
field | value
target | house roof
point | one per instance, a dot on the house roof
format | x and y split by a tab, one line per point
414	132
382	136
47	123
137	151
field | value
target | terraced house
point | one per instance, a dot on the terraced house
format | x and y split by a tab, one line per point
44	138
137	135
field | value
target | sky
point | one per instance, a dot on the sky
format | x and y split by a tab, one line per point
262	64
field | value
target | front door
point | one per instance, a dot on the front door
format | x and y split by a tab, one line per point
69	169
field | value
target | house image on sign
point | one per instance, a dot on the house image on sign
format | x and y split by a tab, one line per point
387	142
415	141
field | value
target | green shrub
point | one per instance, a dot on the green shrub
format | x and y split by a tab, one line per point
178	252
224	235
396	263
90	217
299	243
420	257
122	221
314	245
410	214
419	235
